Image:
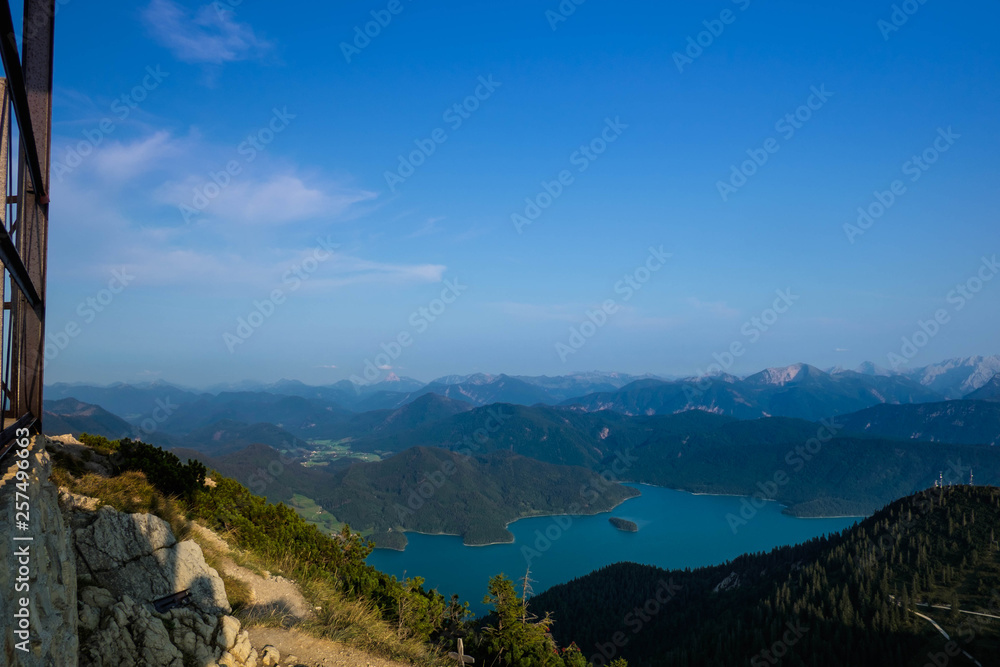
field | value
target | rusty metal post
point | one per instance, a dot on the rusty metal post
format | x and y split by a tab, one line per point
33	210
4	161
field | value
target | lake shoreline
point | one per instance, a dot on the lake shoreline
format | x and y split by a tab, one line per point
508	524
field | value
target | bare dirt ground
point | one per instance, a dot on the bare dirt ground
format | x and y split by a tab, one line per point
277	594
271	594
312	652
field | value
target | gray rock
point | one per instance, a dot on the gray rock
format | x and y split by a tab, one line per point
137	555
229	630
270	656
130	636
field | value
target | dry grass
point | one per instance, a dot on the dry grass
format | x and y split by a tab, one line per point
131	492
337	618
352	622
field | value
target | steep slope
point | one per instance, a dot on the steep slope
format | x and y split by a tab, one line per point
964	422
547	434
437	491
988	392
131	402
227	436
807	467
69	415
477	390
799	391
423	489
847	599
954	378
303	418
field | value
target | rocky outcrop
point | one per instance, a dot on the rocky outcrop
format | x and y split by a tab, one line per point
134	559
49	587
136	555
129	634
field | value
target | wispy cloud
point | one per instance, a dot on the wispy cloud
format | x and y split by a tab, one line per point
429	227
271	199
246	242
122	161
209	35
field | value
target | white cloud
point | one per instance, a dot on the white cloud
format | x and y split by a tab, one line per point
273	199
119	161
209	36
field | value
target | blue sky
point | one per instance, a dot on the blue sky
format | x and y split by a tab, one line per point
337	259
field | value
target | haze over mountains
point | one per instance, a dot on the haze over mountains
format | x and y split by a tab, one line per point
525	444
871	384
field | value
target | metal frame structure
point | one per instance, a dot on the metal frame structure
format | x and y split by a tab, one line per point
27	91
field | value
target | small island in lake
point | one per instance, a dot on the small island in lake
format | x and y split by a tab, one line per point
624	524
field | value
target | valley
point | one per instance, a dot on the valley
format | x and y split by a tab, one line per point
571	489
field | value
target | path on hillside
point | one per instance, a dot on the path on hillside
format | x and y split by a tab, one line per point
268	594
282	595
945	634
309	650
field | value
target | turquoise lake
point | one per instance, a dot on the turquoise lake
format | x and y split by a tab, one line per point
676	530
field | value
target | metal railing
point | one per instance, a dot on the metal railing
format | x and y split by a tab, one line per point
27	92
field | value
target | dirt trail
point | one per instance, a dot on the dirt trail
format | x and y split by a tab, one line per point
270	594
312	652
275	593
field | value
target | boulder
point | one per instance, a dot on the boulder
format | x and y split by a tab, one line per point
130	636
137	555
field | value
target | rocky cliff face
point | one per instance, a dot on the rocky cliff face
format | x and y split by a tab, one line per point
121	563
129	560
37	577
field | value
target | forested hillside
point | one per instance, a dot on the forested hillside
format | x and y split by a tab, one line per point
848	599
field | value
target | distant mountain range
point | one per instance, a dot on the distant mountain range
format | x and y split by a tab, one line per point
800	391
886	435
776	391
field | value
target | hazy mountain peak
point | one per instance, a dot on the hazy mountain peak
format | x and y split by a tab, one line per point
784	375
